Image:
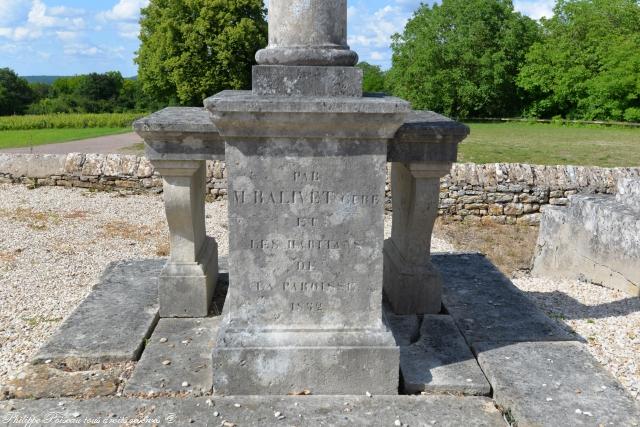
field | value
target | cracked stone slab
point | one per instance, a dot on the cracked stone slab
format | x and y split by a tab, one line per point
440	361
112	323
547	383
186	344
264	411
487	306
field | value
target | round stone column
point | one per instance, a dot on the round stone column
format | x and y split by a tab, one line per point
307	32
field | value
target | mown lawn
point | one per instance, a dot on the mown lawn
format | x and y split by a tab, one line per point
549	144
27	138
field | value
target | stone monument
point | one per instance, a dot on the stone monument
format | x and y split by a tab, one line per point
306	160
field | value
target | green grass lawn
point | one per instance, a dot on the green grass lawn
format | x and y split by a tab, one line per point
548	144
27	138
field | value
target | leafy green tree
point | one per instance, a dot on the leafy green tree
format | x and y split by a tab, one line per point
15	93
373	77
461	58
587	65
192	49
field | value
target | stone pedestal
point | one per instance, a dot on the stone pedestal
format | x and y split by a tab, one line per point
306	215
411	283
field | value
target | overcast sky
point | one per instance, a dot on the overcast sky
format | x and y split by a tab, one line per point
65	37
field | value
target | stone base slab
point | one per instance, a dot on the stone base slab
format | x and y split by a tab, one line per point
186	290
186	344
291	362
112	323
410	289
440	361
555	383
265	411
487	306
282	80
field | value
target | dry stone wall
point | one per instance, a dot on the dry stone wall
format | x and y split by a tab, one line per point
497	193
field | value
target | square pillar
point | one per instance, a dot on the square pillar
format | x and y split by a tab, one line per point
411	284
188	280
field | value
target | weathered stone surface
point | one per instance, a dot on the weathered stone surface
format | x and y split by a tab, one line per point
596	238
411	283
111	324
305	245
487	307
284	80
427	137
178	133
261	411
45	381
440	361
552	383
31	165
186	344
307	33
188	280
628	193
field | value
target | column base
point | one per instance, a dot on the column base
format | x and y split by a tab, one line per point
410	289
186	289
289	80
351	362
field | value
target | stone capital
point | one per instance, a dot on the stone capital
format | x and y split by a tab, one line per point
426	170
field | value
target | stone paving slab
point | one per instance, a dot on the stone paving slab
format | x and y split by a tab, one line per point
555	383
187	345
440	361
262	411
487	307
112	323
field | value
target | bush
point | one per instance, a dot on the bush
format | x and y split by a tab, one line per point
68	121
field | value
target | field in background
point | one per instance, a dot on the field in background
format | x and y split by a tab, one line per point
550	144
69	121
27	138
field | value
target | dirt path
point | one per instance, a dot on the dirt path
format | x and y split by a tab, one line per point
103	145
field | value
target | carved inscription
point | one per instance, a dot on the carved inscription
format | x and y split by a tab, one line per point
313	245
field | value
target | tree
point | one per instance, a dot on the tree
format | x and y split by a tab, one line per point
587	64
192	49
15	93
373	77
461	58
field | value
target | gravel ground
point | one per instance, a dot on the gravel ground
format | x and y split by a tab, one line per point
55	243
608	320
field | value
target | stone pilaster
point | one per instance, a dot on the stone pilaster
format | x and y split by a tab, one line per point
411	283
188	279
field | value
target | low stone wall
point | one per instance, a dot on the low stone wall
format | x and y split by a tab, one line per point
497	193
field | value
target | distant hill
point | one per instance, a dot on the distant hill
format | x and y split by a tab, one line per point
50	79
41	79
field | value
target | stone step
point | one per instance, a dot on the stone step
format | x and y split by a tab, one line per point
487	307
112	323
264	411
186	344
555	383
